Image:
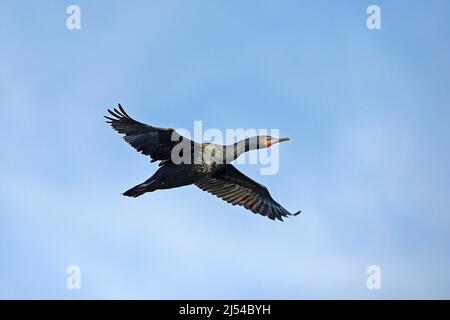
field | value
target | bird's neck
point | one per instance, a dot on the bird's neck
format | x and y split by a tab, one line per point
233	151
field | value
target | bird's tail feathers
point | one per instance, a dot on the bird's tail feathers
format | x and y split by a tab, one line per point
140	189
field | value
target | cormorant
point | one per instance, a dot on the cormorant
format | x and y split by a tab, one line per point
205	165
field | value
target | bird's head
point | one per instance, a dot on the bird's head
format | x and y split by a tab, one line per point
268	141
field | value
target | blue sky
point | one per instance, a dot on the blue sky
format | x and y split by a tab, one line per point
368	161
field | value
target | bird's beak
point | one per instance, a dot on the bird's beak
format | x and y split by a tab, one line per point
282	139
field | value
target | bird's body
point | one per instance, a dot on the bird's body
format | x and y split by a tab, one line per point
208	166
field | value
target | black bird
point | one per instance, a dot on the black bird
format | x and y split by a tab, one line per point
184	162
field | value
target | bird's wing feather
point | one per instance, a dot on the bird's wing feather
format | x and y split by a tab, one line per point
232	186
151	141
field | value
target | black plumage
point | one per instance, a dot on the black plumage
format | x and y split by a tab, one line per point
219	178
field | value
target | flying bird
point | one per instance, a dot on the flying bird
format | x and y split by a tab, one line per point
184	162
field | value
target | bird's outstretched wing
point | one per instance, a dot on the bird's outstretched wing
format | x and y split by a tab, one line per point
231	185
150	141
